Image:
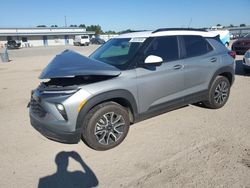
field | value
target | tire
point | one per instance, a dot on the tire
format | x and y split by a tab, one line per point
218	93
99	132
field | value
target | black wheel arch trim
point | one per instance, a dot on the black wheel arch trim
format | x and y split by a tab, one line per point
223	70
106	96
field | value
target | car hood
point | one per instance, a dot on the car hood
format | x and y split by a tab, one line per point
71	64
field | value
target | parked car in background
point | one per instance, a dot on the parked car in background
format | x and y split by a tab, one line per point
81	40
131	77
241	45
97	41
224	35
246	61
13	44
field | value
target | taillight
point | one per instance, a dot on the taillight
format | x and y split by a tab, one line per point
232	54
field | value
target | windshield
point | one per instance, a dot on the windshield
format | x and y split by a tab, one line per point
117	52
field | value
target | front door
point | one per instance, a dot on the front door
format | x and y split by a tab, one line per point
159	85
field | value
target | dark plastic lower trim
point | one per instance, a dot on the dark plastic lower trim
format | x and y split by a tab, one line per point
59	136
172	105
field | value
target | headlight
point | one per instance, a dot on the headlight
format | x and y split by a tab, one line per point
66	92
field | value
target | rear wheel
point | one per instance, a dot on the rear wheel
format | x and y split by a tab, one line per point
105	126
218	93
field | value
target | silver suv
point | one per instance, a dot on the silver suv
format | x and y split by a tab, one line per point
130	78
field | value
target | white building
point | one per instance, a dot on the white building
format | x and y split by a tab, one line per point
106	37
41	36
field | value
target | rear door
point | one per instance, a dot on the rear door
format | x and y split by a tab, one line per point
158	85
199	61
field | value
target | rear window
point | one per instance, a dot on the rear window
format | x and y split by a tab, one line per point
196	45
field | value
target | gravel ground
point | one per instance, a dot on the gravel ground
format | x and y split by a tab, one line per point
188	147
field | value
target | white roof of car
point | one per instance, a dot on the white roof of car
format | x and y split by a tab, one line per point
146	34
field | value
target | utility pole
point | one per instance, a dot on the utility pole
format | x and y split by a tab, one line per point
65	21
189	24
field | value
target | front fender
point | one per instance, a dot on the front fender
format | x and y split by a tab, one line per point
106	96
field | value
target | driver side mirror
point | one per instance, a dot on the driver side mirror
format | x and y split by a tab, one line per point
153	60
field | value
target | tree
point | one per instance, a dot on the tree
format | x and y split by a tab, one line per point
73	25
41	26
54	26
82	25
231	25
96	28
110	32
126	31
218	25
242	25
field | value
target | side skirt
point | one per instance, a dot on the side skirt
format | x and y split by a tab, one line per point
172	105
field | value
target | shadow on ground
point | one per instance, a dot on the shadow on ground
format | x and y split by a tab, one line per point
239	69
62	178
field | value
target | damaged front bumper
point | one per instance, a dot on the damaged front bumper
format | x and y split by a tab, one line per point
55	134
54	113
55	104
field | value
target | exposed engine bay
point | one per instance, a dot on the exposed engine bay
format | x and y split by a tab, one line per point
70	82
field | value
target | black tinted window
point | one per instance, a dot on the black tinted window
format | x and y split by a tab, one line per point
196	45
164	47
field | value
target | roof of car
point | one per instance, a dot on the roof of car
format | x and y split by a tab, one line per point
167	32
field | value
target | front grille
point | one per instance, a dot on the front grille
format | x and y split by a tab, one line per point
36	108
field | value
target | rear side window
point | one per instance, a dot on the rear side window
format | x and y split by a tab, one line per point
196	45
164	47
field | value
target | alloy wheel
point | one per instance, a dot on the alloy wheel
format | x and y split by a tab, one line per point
221	92
109	128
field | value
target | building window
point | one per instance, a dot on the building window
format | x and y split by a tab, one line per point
24	39
56	39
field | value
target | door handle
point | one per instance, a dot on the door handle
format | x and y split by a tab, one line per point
176	67
213	60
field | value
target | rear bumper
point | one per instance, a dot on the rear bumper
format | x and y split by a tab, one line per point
54	134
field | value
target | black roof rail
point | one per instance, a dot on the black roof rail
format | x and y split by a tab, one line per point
178	29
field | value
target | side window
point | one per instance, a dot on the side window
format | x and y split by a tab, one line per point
196	45
164	47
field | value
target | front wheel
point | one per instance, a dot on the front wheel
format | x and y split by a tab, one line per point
218	93
105	126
